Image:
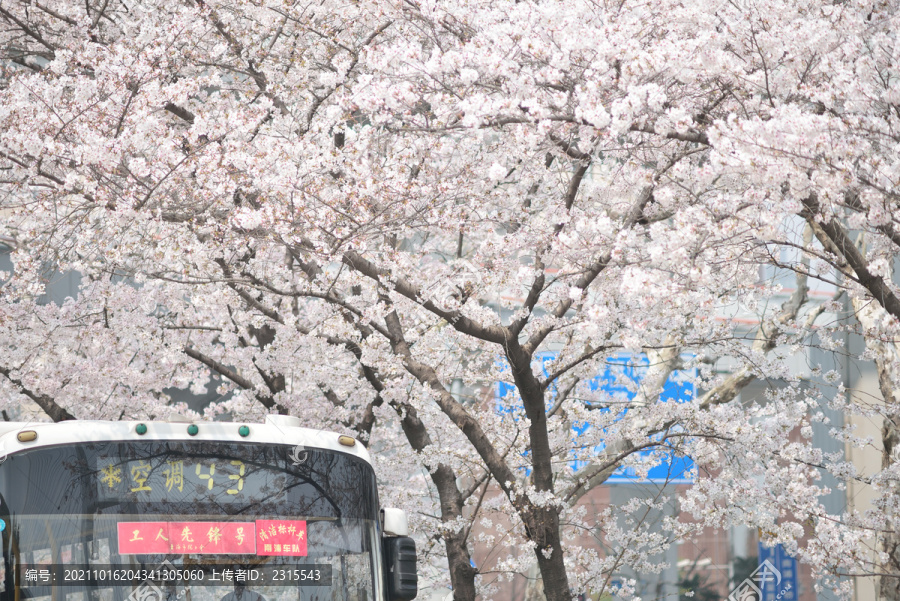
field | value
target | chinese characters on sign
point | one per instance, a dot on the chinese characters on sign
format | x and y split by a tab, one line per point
228	538
140	476
263	537
281	537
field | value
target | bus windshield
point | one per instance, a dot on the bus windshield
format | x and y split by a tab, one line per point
185	520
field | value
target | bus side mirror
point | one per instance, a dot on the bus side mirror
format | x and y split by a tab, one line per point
401	579
393	522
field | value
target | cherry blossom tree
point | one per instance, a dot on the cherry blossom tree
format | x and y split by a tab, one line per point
367	214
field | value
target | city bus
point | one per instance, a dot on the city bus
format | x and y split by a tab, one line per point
195	511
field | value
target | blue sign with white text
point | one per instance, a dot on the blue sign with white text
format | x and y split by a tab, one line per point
782	583
620	380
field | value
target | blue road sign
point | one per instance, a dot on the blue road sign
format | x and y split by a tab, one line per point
620	379
782	586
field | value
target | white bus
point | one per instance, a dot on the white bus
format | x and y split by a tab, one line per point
205	511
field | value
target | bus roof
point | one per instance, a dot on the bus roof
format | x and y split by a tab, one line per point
277	429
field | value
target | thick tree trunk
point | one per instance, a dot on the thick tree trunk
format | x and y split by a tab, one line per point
553	568
462	574
541	522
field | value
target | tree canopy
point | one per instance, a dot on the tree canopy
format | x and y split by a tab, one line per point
369	213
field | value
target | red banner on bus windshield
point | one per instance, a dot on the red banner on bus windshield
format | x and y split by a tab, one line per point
281	537
227	538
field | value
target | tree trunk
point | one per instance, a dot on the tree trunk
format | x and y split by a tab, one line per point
541	522
462	574
553	568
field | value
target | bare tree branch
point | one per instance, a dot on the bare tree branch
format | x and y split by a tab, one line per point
267	401
462	323
31	32
47	403
834	238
